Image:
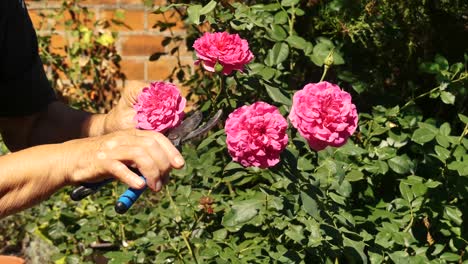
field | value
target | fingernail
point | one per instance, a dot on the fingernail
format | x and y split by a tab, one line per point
179	161
158	186
140	182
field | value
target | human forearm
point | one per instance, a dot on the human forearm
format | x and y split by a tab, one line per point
57	123
30	176
61	123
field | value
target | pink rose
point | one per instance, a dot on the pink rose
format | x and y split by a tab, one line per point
159	107
256	135
229	50
324	115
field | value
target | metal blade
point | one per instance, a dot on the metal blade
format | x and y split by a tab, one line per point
205	127
176	134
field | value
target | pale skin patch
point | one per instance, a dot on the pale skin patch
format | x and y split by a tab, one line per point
111	144
101	155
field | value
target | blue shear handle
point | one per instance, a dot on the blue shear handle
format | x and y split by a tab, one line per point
128	198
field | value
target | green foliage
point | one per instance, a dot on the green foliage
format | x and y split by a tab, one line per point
85	71
395	193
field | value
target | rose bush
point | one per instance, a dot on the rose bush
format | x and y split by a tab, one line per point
395	192
256	135
324	115
229	50
159	107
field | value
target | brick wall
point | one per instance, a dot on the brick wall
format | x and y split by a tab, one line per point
134	44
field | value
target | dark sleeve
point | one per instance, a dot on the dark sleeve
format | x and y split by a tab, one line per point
24	88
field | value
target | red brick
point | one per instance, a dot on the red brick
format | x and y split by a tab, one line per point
183	51
133	69
161	69
169	16
141	45
133	20
135	2
98	2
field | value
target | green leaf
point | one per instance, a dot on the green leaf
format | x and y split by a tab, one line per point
296	233
281	17
406	192
243	211
400	164
118	256
354	175
463	118
297	42
289	2
355	250
277	54
442	62
443	153
277	95
447	97
454	214
277	33
445	129
423	135
442	140
448	256
193	12
310	205
208	8
337	198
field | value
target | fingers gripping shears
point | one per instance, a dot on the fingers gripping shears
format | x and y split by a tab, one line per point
188	129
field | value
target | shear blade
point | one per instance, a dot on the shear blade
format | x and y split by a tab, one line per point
205	127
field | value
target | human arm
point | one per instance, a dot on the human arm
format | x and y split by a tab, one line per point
32	175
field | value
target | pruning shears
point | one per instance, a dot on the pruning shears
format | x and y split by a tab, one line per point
188	129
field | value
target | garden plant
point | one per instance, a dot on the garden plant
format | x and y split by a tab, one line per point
344	140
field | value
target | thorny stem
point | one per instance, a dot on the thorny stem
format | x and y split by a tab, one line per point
185	234
408	227
429	92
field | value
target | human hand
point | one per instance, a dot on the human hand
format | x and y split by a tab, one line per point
122	115
98	158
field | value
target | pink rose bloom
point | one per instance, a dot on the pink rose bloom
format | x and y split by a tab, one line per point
159	107
256	135
324	115
229	50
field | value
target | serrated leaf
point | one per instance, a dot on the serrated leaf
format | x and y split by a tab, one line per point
354	175
423	135
193	12
454	214
242	212
405	191
443	153
281	17
463	118
355	250
208	8
447	97
295	232
277	95
445	129
449	256
277	54
297	42
400	164
277	33
289	2
309	205
442	140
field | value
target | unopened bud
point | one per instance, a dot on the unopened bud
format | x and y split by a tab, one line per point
218	67
329	59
